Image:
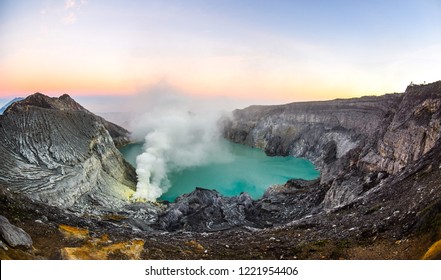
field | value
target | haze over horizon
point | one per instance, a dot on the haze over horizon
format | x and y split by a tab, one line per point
268	51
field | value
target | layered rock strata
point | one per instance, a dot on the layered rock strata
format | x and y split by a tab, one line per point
354	142
55	151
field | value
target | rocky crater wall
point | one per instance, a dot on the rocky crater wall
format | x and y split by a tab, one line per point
55	151
351	141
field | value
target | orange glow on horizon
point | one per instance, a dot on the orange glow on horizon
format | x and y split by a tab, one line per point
241	89
197	80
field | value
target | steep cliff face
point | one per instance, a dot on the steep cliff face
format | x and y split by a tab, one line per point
354	142
55	151
414	130
323	132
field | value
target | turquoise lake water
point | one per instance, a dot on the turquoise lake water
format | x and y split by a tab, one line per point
249	170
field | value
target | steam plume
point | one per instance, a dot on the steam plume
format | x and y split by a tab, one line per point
179	132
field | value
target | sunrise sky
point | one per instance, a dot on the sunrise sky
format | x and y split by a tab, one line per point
261	49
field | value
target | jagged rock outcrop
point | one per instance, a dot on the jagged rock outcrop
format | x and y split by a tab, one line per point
413	131
55	151
355	142
206	210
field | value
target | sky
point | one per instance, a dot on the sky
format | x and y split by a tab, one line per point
261	50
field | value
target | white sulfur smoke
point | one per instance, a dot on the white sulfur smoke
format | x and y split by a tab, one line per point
179	132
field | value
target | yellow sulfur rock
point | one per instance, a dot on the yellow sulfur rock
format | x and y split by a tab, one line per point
434	252
196	246
73	232
100	249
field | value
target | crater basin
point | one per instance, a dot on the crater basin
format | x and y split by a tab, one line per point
248	170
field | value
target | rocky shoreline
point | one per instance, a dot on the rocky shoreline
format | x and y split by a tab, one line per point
378	197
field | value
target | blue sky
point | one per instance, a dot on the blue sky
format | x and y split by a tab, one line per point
262	50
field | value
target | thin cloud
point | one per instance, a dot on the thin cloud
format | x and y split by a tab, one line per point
71	18
71	8
69	4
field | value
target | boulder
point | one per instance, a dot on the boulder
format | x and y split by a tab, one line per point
13	235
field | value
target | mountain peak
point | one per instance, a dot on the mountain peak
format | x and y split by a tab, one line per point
425	87
64	103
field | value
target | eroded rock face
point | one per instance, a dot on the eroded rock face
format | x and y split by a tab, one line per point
323	132
55	151
207	210
346	139
414	130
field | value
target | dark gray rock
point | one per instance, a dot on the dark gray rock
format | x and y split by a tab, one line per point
13	235
206	210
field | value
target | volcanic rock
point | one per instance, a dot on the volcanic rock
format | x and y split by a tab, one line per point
206	210
349	140
55	151
13	235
